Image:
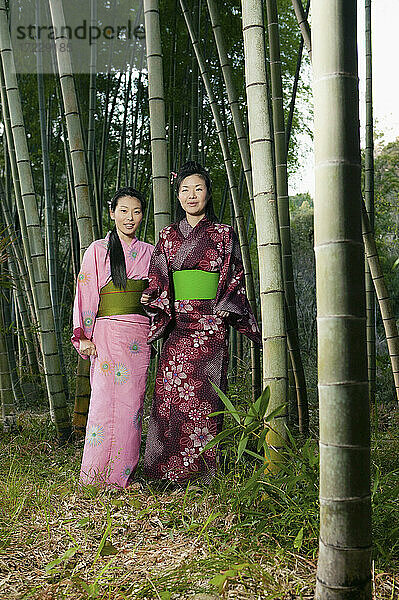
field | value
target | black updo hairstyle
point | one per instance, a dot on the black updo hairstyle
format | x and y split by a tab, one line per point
115	250
194	168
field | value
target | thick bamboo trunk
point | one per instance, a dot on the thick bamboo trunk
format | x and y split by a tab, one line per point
343	570
242	234
34	242
51	254
298	389
85	210
369	201
156	100
74	130
268	235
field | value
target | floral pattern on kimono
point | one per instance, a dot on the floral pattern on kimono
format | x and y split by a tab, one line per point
195	351
119	371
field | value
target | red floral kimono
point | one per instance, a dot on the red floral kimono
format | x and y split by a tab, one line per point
195	351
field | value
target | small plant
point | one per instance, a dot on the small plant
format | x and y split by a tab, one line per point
283	503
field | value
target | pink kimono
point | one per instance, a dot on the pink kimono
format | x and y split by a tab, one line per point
118	373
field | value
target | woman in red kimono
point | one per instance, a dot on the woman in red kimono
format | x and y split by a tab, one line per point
196	290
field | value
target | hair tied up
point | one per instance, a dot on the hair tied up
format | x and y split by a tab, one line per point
173	176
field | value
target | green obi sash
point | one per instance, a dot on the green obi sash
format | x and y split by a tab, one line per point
114	301
193	284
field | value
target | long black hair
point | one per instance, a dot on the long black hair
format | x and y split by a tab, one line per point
115	250
194	168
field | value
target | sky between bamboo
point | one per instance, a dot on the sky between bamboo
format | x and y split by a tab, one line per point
385	47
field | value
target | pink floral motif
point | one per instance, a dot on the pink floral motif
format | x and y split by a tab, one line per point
189	456
210	323
168	244
195	414
234	280
162	301
183	306
164	409
188	405
200	338
221	228
166	232
187	390
174	374
200	436
214	259
174	468
205	409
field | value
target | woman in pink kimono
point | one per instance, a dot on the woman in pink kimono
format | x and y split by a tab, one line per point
196	290
111	328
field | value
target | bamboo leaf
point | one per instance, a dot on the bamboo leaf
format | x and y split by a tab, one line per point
228	404
219	581
276	412
264	402
108	550
54	563
218	438
262	439
299	539
255	455
241	447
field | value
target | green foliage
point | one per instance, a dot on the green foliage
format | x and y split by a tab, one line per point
93	543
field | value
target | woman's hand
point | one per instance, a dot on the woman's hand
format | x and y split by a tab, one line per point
145	299
222	313
87	348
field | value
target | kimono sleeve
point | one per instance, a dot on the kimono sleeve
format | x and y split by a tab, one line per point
231	295
159	290
86	298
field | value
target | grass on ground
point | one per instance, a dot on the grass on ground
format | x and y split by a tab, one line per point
202	542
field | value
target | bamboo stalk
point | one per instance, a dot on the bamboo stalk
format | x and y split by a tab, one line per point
343	569
384	301
34	246
298	375
156	101
303	24
295	86
6	393
241	134
220	129
369	201
268	236
73	124
48	207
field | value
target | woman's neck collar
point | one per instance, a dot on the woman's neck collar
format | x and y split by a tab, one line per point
126	239
193	220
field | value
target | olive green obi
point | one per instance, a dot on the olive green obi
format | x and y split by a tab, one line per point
114	301
193	284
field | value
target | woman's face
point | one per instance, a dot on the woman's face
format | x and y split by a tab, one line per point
193	195
127	215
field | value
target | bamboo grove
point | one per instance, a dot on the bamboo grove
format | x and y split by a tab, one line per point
217	82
